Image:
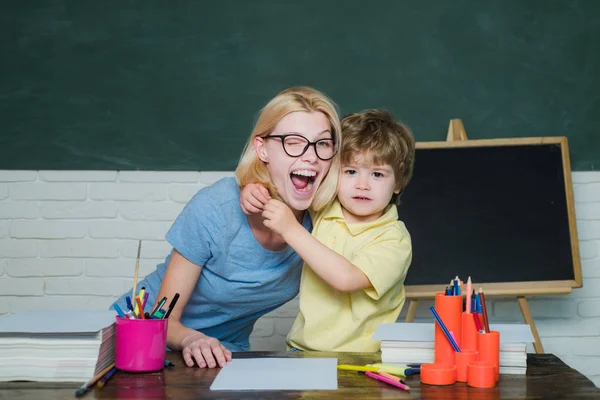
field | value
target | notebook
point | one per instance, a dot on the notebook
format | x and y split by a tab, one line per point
56	346
409	343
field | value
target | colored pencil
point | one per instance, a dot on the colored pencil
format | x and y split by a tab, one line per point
106	378
387	380
444	329
486	324
477	322
468	294
86	386
392	377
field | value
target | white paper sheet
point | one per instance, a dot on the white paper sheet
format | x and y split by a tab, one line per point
278	374
57	321
424	332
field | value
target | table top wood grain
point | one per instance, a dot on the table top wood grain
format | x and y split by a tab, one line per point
547	378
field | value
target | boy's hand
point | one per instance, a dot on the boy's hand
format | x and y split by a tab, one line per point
279	217
253	198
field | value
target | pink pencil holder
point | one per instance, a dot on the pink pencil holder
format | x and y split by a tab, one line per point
140	344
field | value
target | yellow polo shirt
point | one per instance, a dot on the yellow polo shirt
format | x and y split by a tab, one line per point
334	321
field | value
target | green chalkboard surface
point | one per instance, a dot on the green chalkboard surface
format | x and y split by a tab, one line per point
176	85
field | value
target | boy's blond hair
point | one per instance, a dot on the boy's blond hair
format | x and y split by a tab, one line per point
252	169
385	140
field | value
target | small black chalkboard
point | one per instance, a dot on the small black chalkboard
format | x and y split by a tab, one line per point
500	211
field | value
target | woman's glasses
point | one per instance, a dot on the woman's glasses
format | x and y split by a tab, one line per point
295	145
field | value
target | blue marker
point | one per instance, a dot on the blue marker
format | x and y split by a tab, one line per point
118	310
128	300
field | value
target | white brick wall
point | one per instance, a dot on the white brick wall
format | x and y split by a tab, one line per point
68	240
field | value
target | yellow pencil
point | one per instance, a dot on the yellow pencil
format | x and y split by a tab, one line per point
362	368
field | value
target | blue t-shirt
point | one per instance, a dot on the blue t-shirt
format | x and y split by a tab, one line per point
240	280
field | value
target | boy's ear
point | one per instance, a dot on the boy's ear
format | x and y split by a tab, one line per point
260	149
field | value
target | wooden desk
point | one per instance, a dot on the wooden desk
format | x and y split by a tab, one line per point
547	378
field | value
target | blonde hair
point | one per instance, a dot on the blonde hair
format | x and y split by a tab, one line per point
252	169
385	140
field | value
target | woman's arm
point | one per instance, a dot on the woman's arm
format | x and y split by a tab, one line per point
332	267
181	277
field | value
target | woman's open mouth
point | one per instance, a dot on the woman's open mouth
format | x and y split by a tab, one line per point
303	179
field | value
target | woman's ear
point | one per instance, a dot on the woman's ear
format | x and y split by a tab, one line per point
260	149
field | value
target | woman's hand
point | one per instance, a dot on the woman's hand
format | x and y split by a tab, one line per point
205	350
253	198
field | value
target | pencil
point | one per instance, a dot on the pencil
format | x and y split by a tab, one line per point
444	329
392	382
486	324
84	388
468	299
106	378
137	269
477	323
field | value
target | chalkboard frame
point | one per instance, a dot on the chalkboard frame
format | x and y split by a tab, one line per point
415	292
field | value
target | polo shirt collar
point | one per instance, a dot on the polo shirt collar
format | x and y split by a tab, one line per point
356	228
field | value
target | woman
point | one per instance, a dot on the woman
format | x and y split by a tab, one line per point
228	268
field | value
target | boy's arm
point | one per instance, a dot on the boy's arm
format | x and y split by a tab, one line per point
330	266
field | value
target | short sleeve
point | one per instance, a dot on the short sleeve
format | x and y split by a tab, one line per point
385	261
193	232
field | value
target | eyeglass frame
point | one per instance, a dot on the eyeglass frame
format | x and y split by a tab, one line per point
308	144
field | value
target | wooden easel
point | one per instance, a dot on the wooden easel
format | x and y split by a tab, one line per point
456	132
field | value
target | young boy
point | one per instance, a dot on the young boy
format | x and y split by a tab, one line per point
358	255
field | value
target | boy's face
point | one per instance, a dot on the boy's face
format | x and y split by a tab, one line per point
365	189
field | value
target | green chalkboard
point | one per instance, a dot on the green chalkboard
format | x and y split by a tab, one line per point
176	85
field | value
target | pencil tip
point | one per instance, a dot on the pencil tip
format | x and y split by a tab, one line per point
469	280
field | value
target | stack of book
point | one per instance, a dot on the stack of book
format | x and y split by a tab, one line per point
412	343
56	346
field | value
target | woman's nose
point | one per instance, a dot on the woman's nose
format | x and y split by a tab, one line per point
310	154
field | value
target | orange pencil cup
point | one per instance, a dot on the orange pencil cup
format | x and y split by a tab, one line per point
469	332
488	346
438	374
462	361
481	374
449	308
